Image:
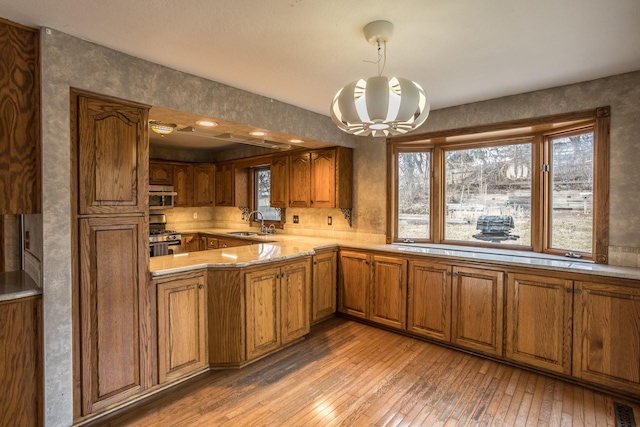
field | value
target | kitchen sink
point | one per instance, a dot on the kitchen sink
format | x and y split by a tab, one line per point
243	233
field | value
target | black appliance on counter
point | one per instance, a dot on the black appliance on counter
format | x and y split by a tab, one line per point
161	240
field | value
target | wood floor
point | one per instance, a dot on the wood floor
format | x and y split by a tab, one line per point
349	374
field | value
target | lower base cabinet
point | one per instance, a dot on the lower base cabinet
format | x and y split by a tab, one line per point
325	275
606	335
429	300
374	287
182	327
256	310
21	362
478	309
538	321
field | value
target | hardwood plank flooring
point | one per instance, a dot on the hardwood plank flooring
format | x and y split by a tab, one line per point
350	374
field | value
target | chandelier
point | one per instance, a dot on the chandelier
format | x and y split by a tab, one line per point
380	106
162	128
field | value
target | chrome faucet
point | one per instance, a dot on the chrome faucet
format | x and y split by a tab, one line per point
263	229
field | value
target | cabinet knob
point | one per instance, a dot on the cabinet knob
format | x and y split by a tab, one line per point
315	262
568	290
201	287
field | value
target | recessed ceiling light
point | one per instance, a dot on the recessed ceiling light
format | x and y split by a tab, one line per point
257	133
296	141
206	123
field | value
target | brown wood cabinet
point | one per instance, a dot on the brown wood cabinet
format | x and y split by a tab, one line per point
19	120
323	295
300	180
183	185
113	155
207	243
279	185
204	189
232	185
606	340
478	309
277	307
257	310
538	321
112	321
429	300
321	178
374	287
190	242
21	362
182	327
113	306
160	173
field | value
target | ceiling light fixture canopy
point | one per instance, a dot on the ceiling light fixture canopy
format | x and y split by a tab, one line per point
162	128
380	106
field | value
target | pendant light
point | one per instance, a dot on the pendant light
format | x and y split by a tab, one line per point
380	106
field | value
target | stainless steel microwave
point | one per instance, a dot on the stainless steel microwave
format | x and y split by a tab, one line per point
161	197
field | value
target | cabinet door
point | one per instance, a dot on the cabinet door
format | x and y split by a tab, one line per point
203	191
21	362
323	179
354	284
224	185
113	281
160	173
478	309
183	185
299	180
262	290
230	243
279	182
295	284
182	346
429	300
19	121
112	150
389	291
190	242
606	340
539	321
323	294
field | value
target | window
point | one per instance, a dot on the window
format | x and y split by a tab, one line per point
487	193
262	195
538	185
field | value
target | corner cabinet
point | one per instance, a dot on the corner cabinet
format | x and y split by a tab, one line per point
254	311
321	178
373	287
182	326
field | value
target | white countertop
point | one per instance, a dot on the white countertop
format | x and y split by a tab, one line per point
287	246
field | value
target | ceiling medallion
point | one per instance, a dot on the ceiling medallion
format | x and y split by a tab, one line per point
380	106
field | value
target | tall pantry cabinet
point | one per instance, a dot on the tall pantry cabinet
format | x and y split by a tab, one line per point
110	151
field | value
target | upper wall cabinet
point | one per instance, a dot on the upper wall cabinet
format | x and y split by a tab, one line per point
279	181
19	120
113	156
232	185
321	178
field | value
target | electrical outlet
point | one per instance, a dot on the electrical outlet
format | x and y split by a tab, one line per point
296	220
329	221
195	215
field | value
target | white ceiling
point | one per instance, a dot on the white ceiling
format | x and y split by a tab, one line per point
302	51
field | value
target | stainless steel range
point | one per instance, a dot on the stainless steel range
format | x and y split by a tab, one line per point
161	240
